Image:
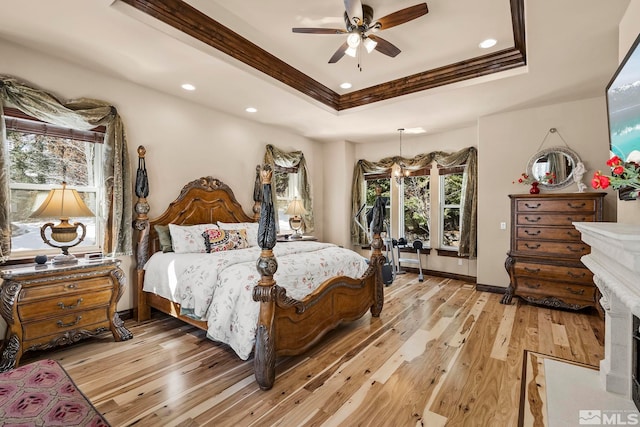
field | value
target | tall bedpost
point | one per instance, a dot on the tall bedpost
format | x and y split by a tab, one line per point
265	291
141	223
257	195
377	259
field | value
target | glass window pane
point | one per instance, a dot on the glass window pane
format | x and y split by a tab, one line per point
371	185
452	189
41	159
451	227
286	187
416	208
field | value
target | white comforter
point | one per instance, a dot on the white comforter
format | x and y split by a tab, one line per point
217	287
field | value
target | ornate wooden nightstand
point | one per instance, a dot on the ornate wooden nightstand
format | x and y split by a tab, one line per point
48	306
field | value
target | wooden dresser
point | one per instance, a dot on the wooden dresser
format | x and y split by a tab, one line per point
544	260
47	306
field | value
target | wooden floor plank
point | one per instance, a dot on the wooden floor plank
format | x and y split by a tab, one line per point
440	354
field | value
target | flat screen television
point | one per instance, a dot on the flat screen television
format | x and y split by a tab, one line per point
623	107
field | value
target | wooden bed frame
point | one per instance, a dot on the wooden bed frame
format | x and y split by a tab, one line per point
286	326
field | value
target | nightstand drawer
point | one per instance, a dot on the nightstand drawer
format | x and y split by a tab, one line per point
75	286
56	325
64	304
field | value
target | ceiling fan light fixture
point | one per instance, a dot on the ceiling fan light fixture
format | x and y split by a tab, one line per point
370	44
351	51
353	40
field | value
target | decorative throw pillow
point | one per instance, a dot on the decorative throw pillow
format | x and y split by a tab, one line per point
216	240
165	237
188	238
250	227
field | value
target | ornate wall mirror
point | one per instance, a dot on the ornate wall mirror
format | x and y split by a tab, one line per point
561	161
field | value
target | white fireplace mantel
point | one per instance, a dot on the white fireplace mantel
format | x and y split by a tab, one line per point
615	263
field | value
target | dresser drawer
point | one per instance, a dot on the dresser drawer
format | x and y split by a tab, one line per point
558	272
63	304
568	234
59	324
553	219
572	250
541	288
566	205
71	286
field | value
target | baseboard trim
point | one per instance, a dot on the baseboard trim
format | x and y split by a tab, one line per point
490	288
461	277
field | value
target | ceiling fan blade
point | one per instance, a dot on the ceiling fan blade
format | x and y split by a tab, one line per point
339	53
402	16
384	46
354	11
318	30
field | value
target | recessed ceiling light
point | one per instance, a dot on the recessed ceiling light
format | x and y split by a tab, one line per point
188	86
486	44
415	130
346	85
251	110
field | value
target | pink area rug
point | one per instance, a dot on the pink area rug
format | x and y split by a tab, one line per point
43	394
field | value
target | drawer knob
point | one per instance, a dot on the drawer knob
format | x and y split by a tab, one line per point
531	286
532	219
531	233
580	206
574	250
531	270
66	325
536	246
572	234
532	206
66	307
72	286
576	276
583	219
579	292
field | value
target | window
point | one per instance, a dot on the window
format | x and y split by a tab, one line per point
287	182
373	181
450	194
416	206
40	157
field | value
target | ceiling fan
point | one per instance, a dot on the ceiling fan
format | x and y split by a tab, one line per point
359	25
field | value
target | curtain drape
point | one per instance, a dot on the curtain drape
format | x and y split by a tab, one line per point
82	114
294	159
468	202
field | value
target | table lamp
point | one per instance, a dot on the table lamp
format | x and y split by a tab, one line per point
295	210
63	203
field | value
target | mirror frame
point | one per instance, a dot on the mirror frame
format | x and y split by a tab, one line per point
564	150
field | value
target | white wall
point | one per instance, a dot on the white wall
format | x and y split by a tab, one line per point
337	177
506	143
184	140
629	211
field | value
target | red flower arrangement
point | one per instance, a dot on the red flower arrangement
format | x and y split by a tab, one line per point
529	179
623	174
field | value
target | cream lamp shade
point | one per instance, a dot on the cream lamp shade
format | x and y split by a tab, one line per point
295	210
63	203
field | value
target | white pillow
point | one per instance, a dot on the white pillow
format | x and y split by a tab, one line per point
188	238
251	227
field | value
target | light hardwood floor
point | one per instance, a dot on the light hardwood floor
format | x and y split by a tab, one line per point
441	353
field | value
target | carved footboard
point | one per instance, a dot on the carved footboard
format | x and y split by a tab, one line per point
285	326
289	327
